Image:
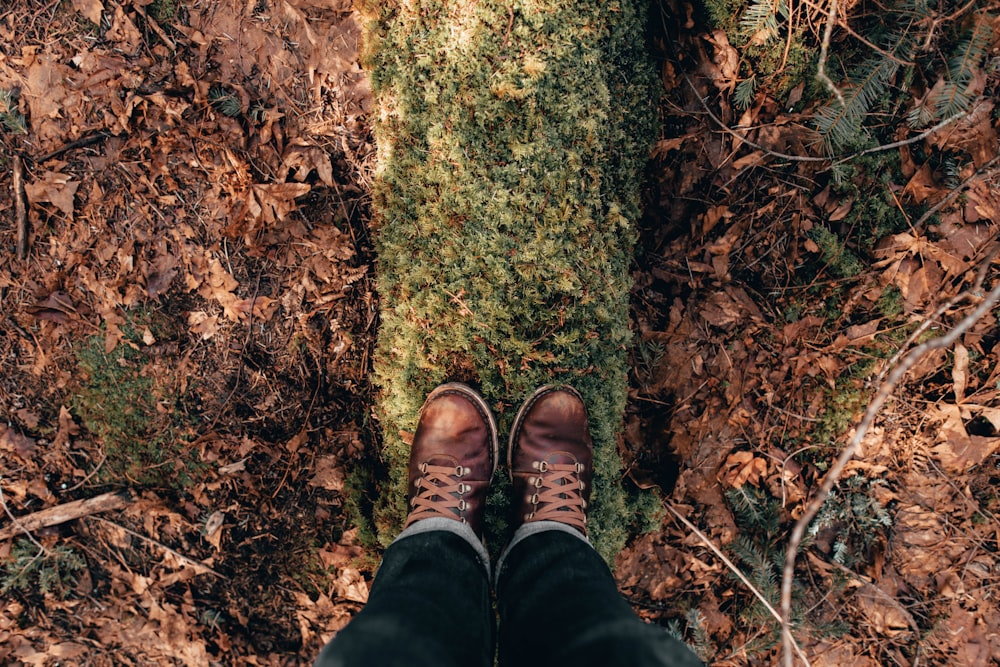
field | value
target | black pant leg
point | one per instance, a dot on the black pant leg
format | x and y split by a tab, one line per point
559	605
429	605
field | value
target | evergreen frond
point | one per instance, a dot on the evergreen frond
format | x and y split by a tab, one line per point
759	22
745	91
840	124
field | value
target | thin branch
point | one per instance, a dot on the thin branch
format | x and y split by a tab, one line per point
20	208
988	170
842	23
197	564
833	476
824	50
835	159
903	142
18	524
54	516
735	570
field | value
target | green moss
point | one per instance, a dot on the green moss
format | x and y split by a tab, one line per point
511	141
840	261
134	416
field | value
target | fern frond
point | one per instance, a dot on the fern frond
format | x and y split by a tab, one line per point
745	91
955	96
759	22
840	124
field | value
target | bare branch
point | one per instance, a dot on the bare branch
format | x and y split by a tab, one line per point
831	19
17	524
53	516
735	570
833	476
20	208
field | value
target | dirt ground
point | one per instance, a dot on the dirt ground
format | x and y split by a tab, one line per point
192	326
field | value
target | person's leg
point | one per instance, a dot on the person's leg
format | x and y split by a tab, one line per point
430	603
558	602
559	605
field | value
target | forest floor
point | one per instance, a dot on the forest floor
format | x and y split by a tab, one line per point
189	338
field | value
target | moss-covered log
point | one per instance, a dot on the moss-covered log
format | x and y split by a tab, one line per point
512	136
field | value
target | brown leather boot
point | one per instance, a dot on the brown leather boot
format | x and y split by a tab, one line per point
551	458
453	457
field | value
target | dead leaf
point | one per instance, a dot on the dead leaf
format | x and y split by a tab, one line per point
328	474
91	9
12	441
56	189
742	468
922	186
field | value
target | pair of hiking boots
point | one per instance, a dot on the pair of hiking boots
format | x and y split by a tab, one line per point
454	455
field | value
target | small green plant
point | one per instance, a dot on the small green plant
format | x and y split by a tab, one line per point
225	102
12	119
839	260
163	11
759	550
856	516
52	570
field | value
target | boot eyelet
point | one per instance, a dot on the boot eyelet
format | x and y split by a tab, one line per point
534	499
537	483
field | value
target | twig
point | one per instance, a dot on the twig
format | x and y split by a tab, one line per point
17	524
82	142
988	170
824	49
975	290
735	570
20	208
53	516
725	128
905	142
187	559
156	27
842	23
881	396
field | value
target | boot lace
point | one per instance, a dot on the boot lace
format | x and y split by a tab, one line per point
558	494
439	492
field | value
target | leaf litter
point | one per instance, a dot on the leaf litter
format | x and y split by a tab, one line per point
215	227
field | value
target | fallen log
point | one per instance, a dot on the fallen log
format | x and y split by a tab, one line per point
53	516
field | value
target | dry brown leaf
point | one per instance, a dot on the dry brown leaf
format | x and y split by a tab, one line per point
12	441
56	189
955	448
742	468
91	9
328	474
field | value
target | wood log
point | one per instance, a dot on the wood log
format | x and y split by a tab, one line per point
53	516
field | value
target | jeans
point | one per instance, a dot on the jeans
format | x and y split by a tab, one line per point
557	603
